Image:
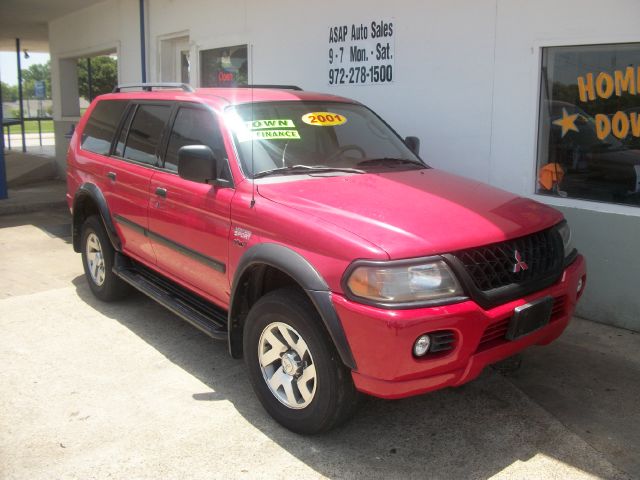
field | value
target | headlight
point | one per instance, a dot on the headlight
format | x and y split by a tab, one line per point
396	284
565	233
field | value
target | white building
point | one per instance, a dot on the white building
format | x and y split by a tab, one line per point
495	89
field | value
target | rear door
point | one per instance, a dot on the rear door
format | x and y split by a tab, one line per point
189	222
128	172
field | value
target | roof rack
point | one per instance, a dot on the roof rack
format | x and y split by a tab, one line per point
279	87
147	87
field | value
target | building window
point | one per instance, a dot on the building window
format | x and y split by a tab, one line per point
224	67
589	125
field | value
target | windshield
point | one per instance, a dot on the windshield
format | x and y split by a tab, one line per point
288	137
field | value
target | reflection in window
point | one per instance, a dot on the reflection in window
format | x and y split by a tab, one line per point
194	126
589	127
99	130
145	132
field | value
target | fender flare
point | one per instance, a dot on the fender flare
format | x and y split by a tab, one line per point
298	268
93	193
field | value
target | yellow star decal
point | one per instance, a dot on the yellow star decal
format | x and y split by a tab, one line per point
567	122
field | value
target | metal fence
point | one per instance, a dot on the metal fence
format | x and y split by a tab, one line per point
7	123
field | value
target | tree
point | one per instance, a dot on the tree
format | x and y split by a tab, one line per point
9	93
37	72
104	76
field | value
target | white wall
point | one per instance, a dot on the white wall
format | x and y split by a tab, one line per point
105	27
443	65
523	27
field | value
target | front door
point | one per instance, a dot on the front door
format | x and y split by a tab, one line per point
189	222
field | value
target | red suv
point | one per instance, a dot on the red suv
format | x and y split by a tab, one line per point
301	229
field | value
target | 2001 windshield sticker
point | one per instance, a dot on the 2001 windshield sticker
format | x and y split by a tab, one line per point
276	129
361	53
324	119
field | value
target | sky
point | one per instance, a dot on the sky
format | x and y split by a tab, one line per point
9	68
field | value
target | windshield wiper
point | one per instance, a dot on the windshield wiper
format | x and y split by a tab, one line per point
387	160
305	169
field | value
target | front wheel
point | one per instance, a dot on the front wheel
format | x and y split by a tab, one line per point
293	365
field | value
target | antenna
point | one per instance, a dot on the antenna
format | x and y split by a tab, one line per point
253	172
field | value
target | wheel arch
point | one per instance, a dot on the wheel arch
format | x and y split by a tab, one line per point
89	200
249	285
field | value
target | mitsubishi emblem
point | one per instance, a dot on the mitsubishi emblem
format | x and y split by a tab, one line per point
520	264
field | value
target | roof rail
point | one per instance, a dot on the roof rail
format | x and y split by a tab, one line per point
147	87
279	87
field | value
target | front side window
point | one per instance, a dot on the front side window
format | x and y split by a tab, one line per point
99	129
287	137
145	132
589	125
195	126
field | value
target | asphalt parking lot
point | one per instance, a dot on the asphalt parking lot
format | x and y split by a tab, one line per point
127	390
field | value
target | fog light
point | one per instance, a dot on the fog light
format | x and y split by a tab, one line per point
580	283
422	345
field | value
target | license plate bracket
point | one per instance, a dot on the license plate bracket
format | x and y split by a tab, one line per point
530	317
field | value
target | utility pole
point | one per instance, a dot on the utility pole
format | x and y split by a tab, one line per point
3	172
24	143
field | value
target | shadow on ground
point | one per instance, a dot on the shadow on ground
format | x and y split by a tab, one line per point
474	431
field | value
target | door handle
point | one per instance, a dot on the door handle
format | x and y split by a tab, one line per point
161	192
111	175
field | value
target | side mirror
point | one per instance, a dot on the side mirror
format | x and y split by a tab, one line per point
413	143
197	163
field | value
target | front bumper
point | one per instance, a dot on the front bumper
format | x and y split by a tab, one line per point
382	340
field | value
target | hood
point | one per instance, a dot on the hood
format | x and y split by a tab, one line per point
416	212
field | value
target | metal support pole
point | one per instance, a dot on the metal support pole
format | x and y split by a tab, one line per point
90	79
143	60
24	143
40	131
3	172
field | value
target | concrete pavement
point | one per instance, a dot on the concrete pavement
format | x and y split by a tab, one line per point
127	390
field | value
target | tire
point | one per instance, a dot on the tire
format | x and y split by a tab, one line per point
97	259
283	338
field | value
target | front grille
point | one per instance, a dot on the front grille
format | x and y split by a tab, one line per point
493	266
494	335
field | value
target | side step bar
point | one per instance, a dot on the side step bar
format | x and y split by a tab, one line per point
200	313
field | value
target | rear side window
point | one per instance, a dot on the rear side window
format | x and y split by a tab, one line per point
194	126
99	129
145	132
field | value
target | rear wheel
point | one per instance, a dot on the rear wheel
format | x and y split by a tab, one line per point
294	368
97	258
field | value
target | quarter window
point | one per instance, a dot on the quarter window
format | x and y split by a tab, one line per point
589	125
145	132
99	129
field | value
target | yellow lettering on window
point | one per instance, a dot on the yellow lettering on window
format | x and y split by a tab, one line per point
620	125
625	81
604	85
634	118
603	126
585	88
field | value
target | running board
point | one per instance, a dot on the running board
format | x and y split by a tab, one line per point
200	313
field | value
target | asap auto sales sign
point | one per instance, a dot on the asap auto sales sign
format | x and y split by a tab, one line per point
361	53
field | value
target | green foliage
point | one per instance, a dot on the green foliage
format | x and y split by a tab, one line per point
37	72
9	93
104	76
